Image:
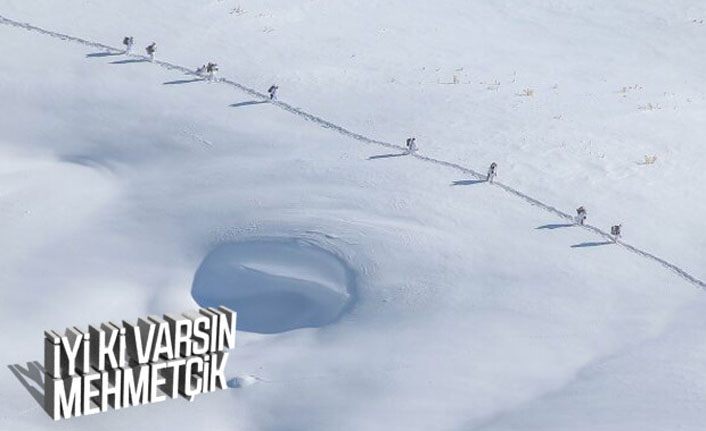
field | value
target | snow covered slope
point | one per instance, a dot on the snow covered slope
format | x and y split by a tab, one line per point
397	292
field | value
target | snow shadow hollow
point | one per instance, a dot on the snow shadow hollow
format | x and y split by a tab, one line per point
276	285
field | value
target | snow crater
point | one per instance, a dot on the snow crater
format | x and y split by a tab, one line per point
276	285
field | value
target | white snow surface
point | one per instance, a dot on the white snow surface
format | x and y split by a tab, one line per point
422	299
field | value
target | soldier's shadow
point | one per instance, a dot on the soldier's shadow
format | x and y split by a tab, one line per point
467	182
32	378
103	54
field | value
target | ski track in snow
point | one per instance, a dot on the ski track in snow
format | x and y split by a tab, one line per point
327	124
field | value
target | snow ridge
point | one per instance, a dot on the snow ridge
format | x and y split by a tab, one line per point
361	138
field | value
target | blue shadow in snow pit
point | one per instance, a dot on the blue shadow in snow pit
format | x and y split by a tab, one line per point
276	285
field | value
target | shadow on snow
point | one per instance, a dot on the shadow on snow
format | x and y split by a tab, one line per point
249	102
591	244
32	378
103	54
467	182
182	81
554	226
386	156
141	60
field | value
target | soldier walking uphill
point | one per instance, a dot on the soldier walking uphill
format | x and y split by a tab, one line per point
272	91
492	172
128	41
211	69
616	231
411	145
151	49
